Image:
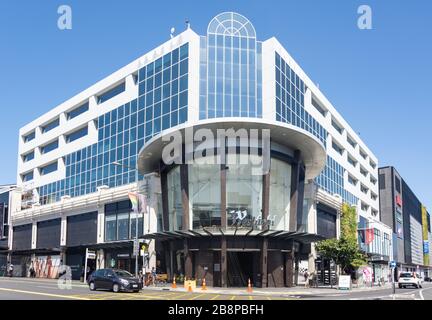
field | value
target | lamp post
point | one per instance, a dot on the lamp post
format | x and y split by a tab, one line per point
136	215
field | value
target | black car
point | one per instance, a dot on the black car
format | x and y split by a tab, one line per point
428	279
113	279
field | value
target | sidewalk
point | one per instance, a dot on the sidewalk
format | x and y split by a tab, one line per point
293	291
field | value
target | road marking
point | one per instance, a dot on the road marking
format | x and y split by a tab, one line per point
250	298
233	297
268	298
215	297
197	296
44	294
181	295
40	281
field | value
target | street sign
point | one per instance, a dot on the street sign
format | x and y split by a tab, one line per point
392	264
136	247
91	255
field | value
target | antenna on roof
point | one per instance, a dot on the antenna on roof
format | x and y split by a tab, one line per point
187	24
172	32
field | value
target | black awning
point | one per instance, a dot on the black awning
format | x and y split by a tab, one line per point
47	251
107	245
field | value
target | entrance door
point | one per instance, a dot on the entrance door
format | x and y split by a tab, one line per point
240	268
124	264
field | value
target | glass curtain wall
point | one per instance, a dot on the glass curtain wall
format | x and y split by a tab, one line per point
280	191
244	194
175	206
205	195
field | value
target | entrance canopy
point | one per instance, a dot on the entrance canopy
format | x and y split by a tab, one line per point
301	237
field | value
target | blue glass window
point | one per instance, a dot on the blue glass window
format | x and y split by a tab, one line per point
28	157
29	137
112	93
49	147
51	125
27	177
48	169
77	111
77	135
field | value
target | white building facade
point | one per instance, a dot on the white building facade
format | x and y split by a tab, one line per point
78	162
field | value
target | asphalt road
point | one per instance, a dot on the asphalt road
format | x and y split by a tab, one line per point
40	289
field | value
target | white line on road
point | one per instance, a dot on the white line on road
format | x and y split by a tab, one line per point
43	294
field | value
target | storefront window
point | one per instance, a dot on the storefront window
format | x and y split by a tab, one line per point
205	195
133	218
175	206
280	192
244	195
111	227
120	221
123	226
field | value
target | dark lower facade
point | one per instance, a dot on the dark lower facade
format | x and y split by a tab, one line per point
231	261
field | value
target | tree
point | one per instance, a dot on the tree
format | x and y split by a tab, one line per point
345	251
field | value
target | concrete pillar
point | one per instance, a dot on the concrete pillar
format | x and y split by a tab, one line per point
184	181
101	224
224	263
63	231
187	260
289	266
167	253
34	235
295	201
263	263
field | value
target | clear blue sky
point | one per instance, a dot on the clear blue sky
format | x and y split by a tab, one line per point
379	80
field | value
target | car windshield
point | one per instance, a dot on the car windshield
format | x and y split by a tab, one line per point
122	273
406	275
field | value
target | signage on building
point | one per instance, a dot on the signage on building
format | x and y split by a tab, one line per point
399	200
425	232
241	218
426	247
392	264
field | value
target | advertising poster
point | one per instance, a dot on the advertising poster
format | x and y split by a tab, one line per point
425	232
46	266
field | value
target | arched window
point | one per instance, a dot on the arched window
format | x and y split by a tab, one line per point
232	76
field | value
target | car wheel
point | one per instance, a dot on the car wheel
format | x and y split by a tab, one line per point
92	286
400	286
416	286
116	288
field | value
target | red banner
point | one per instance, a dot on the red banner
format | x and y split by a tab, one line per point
369	236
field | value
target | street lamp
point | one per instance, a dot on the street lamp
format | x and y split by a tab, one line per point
116	163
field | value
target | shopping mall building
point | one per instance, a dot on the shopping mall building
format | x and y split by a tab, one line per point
207	213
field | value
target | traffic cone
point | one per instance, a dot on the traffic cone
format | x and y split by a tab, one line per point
174	284
204	287
190	288
249	288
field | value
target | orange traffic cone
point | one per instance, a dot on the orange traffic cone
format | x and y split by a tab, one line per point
190	288
204	287
174	284
249	288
